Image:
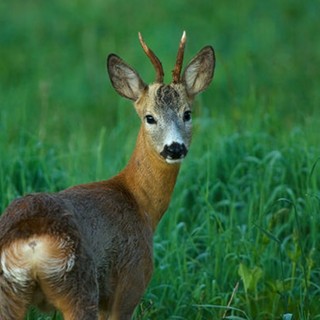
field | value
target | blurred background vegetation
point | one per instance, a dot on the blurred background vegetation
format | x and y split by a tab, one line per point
245	213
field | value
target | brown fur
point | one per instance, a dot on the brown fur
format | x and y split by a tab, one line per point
87	250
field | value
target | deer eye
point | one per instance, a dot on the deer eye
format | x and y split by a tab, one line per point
150	119
187	116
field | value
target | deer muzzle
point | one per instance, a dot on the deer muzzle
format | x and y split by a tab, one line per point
174	152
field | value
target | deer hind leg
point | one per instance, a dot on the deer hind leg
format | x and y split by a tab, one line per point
14	298
75	293
76	297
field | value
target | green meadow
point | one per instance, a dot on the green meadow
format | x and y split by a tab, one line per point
241	239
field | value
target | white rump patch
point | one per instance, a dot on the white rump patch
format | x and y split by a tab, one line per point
37	257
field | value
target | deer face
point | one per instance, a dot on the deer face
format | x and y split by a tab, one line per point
165	110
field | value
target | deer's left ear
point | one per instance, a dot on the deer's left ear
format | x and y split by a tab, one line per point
199	72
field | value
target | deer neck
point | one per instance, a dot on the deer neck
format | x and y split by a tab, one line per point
150	180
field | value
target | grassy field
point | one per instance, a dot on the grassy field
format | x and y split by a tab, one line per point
241	239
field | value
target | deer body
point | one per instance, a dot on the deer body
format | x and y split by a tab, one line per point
87	250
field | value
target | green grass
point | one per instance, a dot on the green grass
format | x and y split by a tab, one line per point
241	237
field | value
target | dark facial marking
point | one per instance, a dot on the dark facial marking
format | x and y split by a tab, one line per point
174	151
167	97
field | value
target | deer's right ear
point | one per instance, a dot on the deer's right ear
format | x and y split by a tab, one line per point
124	79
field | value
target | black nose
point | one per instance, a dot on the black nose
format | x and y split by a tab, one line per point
174	151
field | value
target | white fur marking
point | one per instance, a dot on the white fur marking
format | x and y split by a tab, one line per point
24	260
173	135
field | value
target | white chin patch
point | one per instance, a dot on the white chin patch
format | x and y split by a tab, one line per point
172	161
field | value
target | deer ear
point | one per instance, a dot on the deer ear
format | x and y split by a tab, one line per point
124	79
199	72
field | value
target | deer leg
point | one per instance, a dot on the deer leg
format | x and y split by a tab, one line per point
14	309
75	293
125	304
14	300
78	304
128	293
71	313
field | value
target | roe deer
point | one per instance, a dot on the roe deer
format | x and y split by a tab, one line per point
87	250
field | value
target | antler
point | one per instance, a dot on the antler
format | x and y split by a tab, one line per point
177	68
154	59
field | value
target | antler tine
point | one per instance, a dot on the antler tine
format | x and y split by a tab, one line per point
154	60
177	68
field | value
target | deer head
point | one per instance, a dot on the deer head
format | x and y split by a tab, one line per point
165	109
